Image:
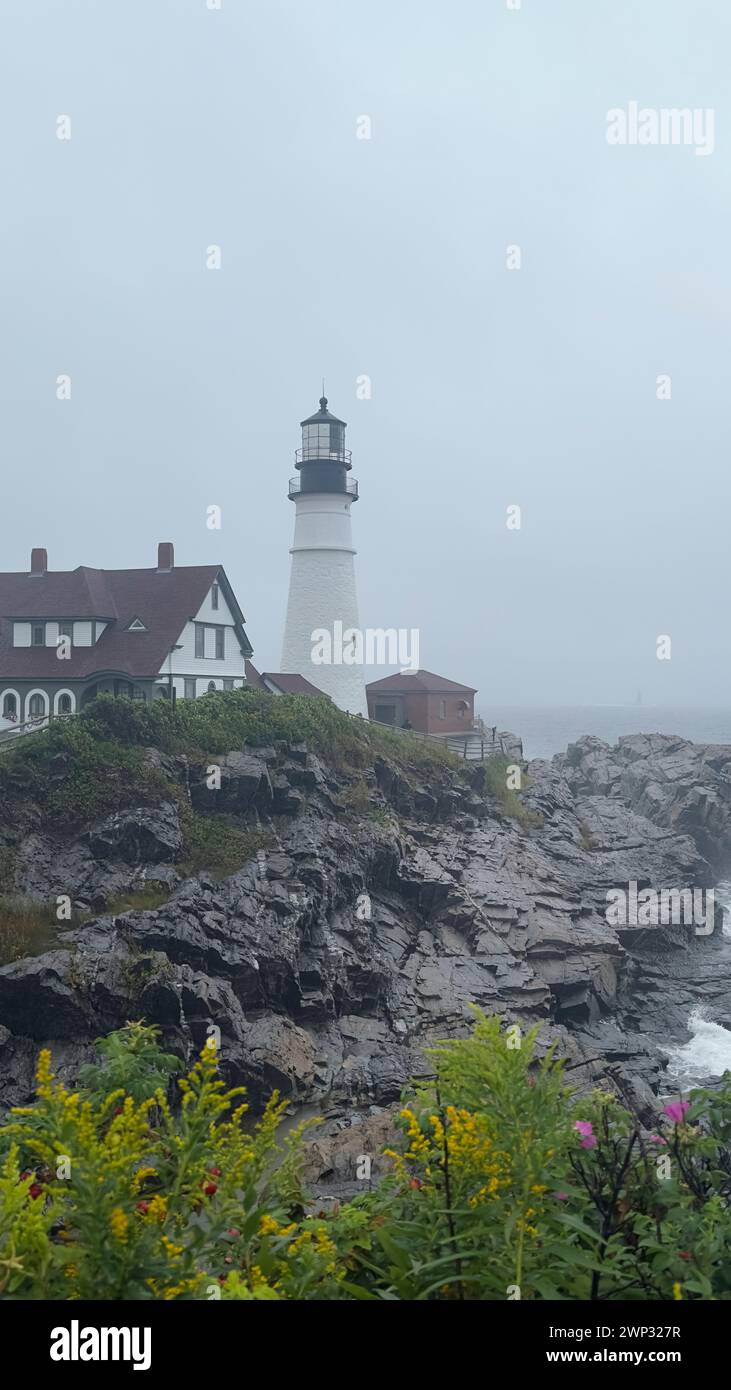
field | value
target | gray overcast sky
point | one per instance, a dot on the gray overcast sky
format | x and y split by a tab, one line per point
383	257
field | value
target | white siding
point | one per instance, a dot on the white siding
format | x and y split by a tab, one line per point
21	634
209	614
185	663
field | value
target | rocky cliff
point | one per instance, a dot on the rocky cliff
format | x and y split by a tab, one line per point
381	904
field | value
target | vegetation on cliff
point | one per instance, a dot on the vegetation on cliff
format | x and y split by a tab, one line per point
500	1188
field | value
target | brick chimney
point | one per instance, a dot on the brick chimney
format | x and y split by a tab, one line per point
38	561
165	557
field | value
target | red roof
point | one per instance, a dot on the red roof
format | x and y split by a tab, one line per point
407	682
163	600
286	683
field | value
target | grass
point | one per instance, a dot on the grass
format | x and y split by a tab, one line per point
27	928
145	900
496	782
215	844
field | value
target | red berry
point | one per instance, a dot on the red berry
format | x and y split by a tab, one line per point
143	1207
215	1172
35	1189
685	1254
233	1231
118	1110
414	1183
210	1189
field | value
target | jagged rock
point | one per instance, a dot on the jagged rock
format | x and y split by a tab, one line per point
244	783
145	834
353	941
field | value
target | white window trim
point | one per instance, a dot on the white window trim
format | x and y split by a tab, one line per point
28	699
18	703
57	700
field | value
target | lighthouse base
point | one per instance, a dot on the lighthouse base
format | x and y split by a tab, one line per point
322	594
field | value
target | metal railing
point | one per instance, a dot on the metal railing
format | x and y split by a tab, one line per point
313	451
9	737
296	488
475	746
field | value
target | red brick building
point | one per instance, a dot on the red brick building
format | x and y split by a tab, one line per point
422	701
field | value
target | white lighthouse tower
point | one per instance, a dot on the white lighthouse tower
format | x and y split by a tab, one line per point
322	594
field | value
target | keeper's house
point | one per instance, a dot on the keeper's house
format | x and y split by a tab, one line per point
150	633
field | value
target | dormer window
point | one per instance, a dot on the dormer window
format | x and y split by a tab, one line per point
214	596
39	635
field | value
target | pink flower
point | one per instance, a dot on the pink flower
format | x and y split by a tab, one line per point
588	1139
657	1139
560	1196
676	1111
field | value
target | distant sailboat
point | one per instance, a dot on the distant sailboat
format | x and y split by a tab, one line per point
638	701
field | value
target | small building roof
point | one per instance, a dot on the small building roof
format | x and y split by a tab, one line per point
409	682
285	682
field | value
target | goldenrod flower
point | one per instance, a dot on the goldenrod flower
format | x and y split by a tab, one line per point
119	1222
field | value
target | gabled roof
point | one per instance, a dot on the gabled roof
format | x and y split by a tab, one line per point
407	682
163	600
285	683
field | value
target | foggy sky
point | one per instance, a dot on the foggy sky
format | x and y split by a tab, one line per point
344	257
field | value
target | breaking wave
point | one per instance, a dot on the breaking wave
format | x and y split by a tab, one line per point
705	1057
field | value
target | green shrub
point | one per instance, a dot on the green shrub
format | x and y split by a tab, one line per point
502	1185
79	774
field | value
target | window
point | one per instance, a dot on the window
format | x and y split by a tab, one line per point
189	692
442	709
214	596
66	630
203	641
10	706
462	709
39	634
137	625
36	707
64	701
228	685
337	439
211	687
138	693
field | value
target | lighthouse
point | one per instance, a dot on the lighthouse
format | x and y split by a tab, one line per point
322	594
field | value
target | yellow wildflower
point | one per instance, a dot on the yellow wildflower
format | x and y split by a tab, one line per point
119	1222
44	1075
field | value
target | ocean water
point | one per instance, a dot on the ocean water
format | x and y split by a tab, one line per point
549	730
708	1053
